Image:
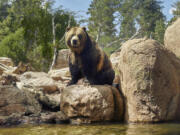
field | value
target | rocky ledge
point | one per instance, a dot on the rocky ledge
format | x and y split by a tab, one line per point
147	72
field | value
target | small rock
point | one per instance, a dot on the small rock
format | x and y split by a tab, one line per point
60	74
8	79
6	61
22	68
53	117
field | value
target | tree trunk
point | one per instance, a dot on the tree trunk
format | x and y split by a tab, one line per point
98	35
54	43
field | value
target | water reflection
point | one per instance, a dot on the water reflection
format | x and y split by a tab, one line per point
116	129
153	129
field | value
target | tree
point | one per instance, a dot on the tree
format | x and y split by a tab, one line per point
101	21
176	12
60	21
148	13
142	18
127	24
35	18
13	46
159	31
5	19
4	5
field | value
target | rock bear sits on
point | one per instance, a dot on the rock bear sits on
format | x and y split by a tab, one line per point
87	59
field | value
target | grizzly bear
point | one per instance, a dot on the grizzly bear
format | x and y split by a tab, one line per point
87	59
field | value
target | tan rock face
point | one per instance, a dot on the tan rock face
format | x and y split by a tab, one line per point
171	38
86	104
38	80
16	101
6	64
8	79
25	107
62	59
150	81
41	84
6	61
62	74
115	60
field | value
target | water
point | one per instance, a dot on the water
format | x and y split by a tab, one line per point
116	129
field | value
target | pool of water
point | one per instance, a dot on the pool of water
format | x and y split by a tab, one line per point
115	129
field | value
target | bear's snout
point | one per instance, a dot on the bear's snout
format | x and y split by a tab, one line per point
75	41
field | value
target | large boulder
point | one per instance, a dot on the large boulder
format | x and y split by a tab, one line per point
24	107
115	59
150	81
46	89
38	80
86	104
62	59
171	38
14	100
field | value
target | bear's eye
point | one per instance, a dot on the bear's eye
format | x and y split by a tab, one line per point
68	42
80	36
71	36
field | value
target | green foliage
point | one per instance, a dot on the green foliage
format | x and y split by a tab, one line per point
159	31
127	27
110	50
101	20
61	22
148	13
145	15
176	12
129	15
26	26
4	5
61	19
26	31
13	46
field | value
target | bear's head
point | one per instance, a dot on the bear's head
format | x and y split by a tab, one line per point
75	38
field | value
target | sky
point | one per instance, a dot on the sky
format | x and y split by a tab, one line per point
81	6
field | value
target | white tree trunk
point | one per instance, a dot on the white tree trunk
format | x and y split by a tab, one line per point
54	40
98	34
54	43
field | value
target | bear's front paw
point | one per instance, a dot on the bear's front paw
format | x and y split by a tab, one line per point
70	83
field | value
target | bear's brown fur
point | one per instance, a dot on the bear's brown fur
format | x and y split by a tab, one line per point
87	59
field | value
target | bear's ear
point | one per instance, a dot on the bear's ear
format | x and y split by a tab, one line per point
68	28
84	28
